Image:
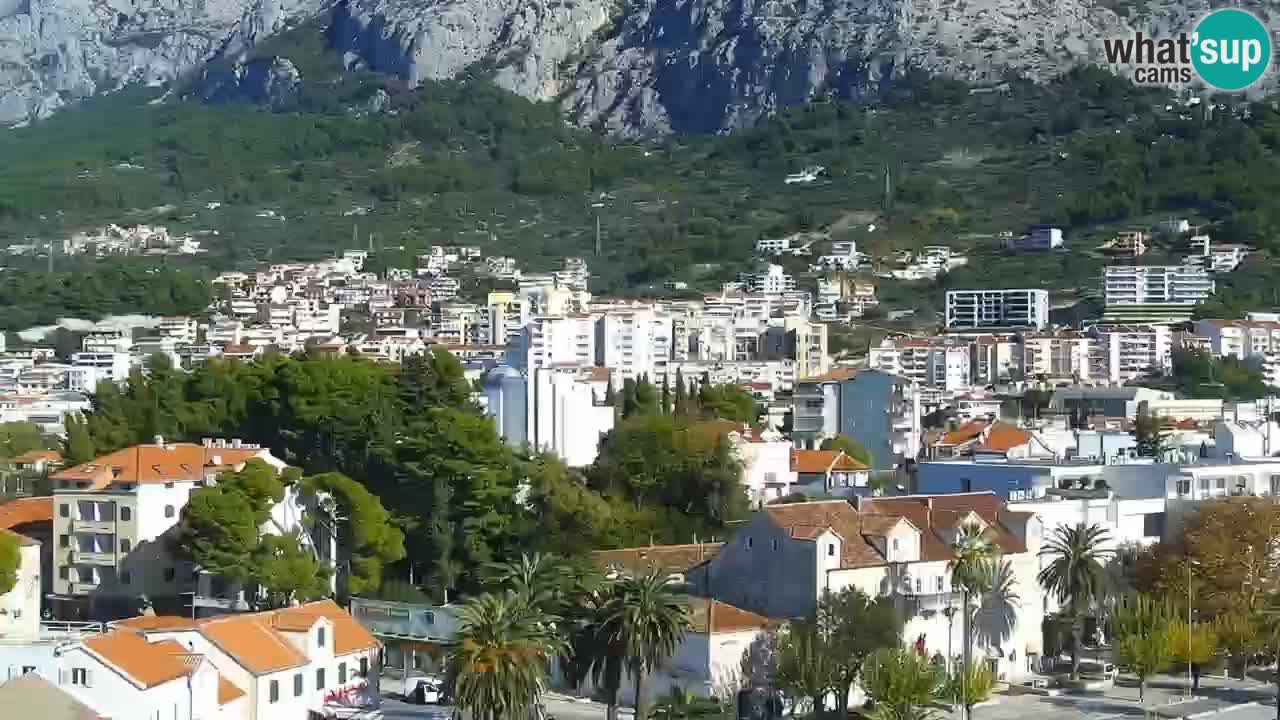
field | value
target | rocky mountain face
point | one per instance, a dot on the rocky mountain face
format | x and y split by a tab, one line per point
630	67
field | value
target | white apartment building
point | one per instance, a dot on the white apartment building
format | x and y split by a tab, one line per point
1125	352
548	341
773	280
90	368
559	412
1156	285
1220	258
628	340
993	359
979	309
112	516
226	332
942	363
1257	341
1056	354
459	324
181	328
283	664
444	287
501	323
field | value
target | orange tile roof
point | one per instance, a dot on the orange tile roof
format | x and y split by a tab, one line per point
833	375
26	510
227	691
348	635
146	664
875	517
1004	437
713	616
822	461
157	463
808	520
252	643
666	558
154	623
49	456
963	434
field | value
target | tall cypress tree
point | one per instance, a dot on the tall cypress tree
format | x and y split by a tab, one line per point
682	398
666	396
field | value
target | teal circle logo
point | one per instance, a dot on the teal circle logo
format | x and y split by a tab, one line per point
1231	49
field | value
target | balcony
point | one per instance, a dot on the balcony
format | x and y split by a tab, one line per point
93	526
92	557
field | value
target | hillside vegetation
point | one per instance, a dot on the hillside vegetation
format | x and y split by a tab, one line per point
465	162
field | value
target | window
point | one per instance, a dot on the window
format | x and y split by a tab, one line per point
342	673
1220	483
297	684
771	477
124	546
1184	487
320	637
919	585
831	549
938	583
274	691
320	678
168	574
895	545
28	669
1204	484
1275	484
169	485
64	541
126	514
64	510
168	511
750	542
64	572
364	667
80	676
126	578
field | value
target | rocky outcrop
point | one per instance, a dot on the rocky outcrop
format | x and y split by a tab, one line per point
525	42
55	51
272	81
631	67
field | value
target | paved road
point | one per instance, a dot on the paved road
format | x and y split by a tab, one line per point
559	707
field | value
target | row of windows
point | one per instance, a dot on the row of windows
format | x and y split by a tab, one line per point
126	577
126	514
274	687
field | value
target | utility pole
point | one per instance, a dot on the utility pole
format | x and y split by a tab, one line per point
50	257
597	234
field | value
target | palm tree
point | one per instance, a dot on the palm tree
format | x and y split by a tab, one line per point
499	666
594	651
1077	575
972	552
542	579
647	620
903	685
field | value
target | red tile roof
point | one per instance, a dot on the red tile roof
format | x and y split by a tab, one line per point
157	464
876	517
26	510
1003	437
49	456
227	691
965	433
713	616
820	462
664	558
146	664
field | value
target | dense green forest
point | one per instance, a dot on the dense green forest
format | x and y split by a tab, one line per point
411	436
930	160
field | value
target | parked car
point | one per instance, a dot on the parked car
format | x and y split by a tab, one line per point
424	691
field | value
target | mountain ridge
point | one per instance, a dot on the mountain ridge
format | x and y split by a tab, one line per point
629	67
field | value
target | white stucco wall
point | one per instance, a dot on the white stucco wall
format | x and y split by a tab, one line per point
20	607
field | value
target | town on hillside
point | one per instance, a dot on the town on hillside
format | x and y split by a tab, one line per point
463	489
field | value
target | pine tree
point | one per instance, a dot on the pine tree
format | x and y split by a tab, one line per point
610	397
666	396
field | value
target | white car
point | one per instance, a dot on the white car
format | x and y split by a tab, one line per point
423	690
